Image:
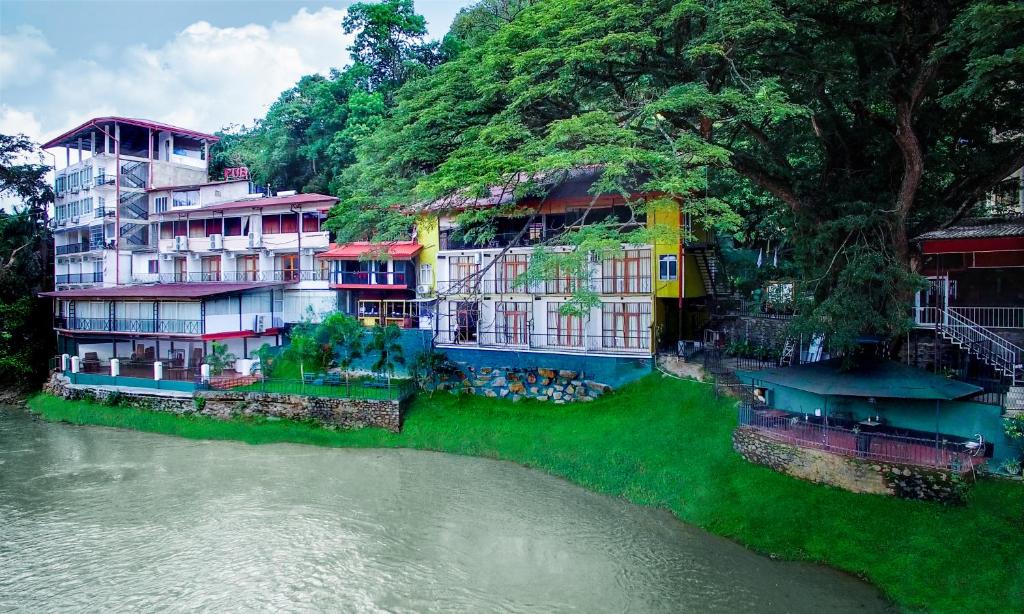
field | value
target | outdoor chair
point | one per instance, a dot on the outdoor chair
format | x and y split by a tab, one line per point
91	362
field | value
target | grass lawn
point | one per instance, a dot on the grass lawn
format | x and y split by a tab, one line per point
356	389
666	443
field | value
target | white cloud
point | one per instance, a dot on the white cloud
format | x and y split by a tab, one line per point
204	78
23	57
16	121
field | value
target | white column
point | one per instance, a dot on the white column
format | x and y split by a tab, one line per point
65	362
204	373
79	149
76	364
158	370
115	367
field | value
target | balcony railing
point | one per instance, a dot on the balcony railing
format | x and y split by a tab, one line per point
79	278
370	278
992	317
242	276
638	342
943	451
451	239
622	285
132	325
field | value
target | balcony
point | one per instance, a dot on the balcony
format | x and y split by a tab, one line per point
77	248
79	278
131	325
636	343
387	280
613	286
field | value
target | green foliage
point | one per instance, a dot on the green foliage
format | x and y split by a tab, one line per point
26	334
384	341
344	334
267	355
666	443
219	358
199	403
426	367
306	350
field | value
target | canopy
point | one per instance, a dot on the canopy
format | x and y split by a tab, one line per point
396	250
877	378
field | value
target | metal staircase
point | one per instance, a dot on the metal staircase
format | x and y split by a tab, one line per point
135	205
716	282
134	174
995	351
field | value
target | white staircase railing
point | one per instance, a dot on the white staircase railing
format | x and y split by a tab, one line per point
994	350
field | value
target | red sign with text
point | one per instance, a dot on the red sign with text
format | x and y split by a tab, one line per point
237	172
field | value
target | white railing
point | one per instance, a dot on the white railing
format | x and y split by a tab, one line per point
992	317
990	347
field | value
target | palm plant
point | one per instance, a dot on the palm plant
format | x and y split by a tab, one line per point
384	342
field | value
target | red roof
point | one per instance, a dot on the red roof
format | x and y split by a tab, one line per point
195	185
397	250
142	123
168	291
249	203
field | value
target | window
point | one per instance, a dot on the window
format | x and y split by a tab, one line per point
465	316
160	203
512	323
426	274
626	325
211	268
564	330
153	266
87	206
169	230
668	267
214	226
271	224
289	267
508	272
180	270
310	222
289	223
188	198
463	273
561	282
232	227
197	228
249	267
628	274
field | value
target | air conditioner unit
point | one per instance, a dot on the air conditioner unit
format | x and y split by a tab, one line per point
74	220
62	222
167	257
194	255
422	288
181	243
216	242
230	255
260	324
255	240
479	257
307	251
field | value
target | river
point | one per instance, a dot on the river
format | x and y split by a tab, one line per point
98	519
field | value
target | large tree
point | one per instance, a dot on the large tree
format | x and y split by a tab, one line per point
853	124
26	333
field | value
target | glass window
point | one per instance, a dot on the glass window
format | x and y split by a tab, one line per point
508	271
310	222
564	330
161	204
512	323
289	223
271	224
197	228
154	266
626	325
232	227
188	198
214	226
667	267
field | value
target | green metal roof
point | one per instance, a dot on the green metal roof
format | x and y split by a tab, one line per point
878	378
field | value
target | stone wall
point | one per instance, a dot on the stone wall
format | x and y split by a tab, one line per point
344	413
855	475
758	331
560	386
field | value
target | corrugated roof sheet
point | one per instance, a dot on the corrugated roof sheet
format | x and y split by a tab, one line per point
1001	226
879	378
158	291
397	250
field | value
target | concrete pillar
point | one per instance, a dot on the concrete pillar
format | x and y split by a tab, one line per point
158	370
115	367
65	362
204	373
76	364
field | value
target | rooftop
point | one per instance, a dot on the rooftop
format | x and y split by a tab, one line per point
195	185
271	201
158	291
512	191
1007	225
877	378
70	137
396	250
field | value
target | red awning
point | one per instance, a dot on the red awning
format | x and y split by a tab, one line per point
396	250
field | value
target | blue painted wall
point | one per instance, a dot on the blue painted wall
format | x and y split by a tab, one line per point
611	370
95	379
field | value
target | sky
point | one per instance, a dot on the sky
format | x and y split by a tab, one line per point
203	65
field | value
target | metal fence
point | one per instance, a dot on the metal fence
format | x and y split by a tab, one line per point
319	385
882	447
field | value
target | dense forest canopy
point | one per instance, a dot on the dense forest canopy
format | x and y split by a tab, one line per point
841	129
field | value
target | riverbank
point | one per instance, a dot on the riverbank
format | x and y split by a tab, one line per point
665	442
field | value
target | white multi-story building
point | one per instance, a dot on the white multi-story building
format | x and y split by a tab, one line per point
153	262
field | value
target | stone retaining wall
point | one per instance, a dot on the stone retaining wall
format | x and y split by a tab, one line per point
855	475
560	386
345	413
